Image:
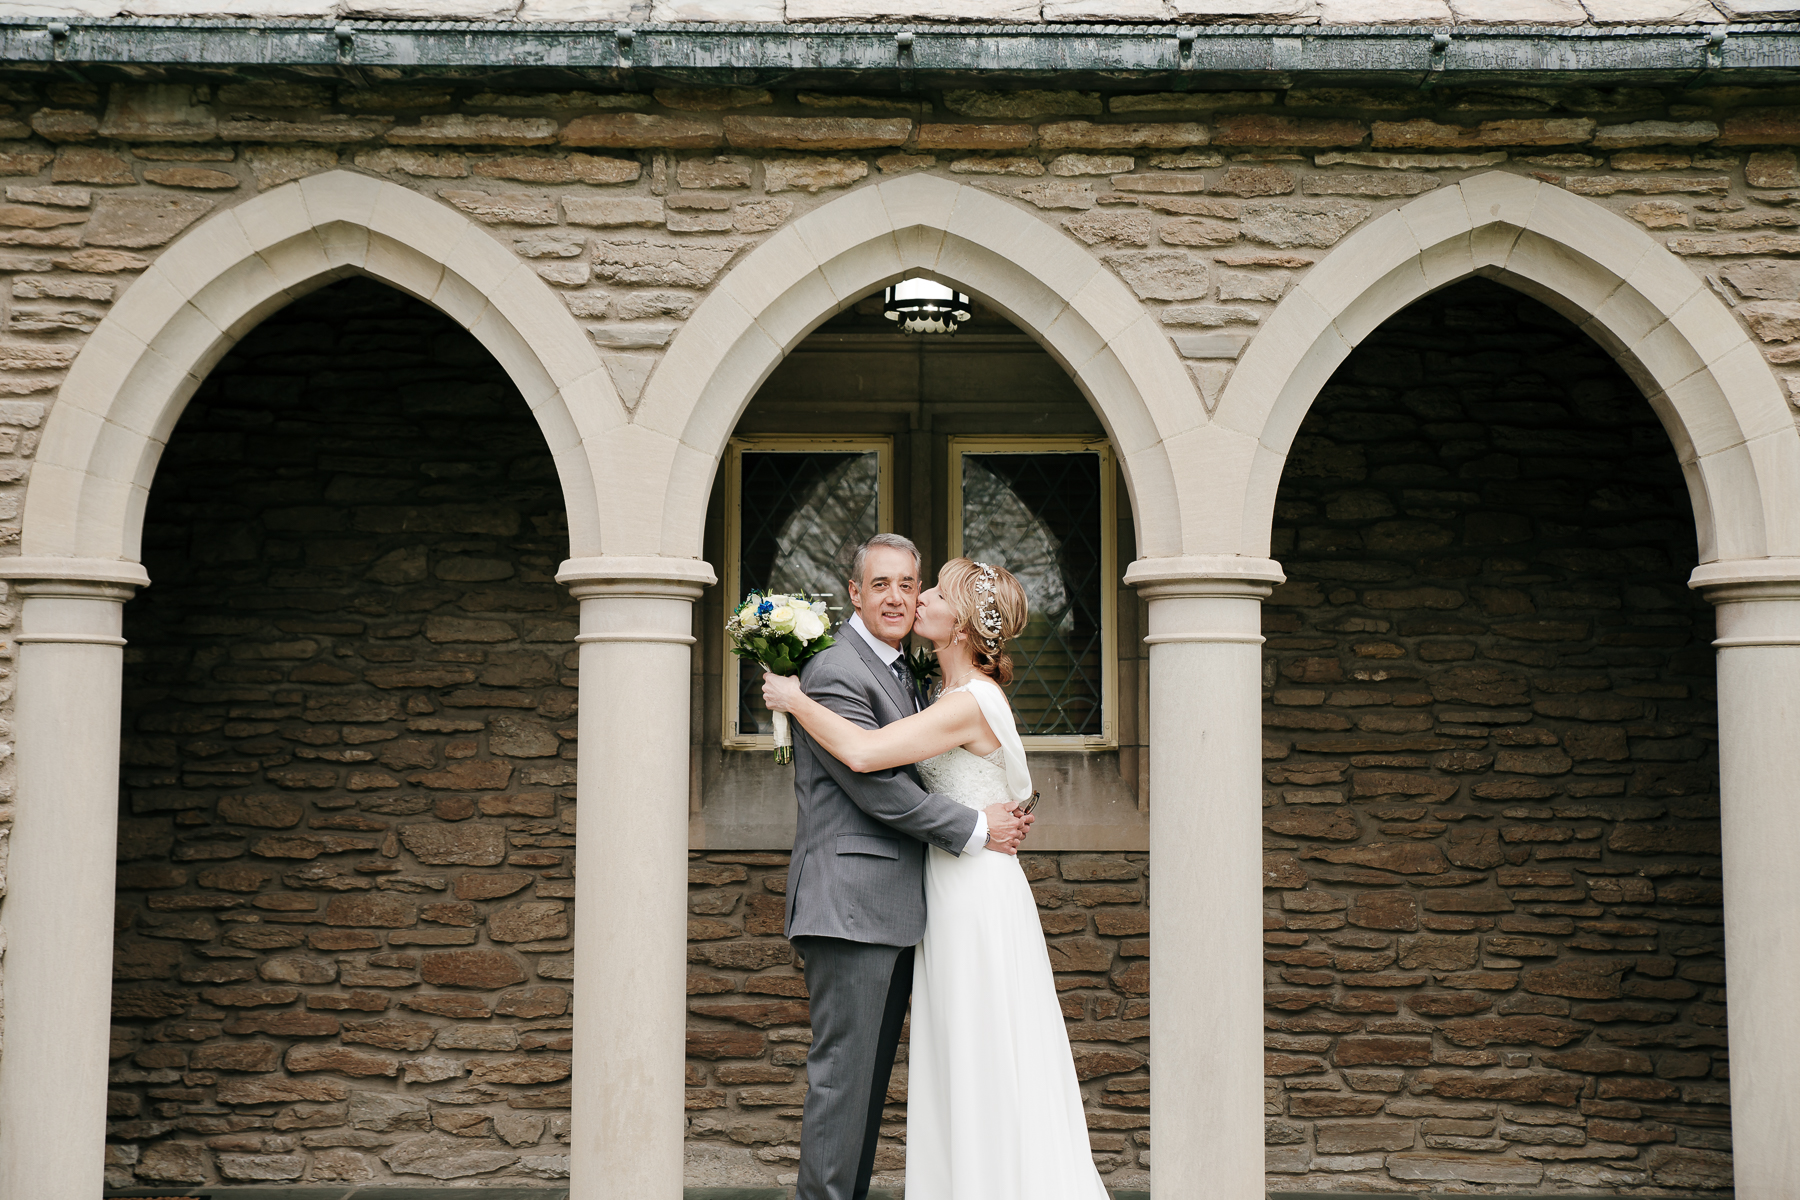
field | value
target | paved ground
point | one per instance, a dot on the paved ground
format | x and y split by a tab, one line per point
544	1193
468	1193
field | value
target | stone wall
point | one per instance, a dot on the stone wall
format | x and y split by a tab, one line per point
1494	942
634	205
346	846
1208	204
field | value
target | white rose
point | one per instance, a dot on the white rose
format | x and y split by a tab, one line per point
746	617
782	620
807	625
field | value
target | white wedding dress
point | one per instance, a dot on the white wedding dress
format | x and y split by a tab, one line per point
993	1109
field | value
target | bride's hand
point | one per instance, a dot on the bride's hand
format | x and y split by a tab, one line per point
780	691
1007	827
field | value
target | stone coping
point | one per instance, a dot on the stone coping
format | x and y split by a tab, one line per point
1442	52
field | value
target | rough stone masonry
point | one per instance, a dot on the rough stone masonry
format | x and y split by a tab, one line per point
1210	206
346	847
1494	933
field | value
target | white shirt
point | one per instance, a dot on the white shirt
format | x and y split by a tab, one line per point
888	654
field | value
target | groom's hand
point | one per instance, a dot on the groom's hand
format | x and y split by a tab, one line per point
1006	828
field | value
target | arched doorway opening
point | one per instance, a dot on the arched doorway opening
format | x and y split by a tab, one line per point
1492	774
978	443
346	831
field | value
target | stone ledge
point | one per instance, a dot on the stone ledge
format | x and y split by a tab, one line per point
361	1192
554	1193
700	50
209	1192
1443	1196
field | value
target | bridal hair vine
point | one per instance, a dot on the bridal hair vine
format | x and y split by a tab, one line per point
988	610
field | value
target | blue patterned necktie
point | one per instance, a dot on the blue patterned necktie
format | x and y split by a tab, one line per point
898	667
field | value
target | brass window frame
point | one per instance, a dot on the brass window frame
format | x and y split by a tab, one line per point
736	448
959	445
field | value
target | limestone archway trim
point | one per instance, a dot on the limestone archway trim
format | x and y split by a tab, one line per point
1043	280
1705	378
135	374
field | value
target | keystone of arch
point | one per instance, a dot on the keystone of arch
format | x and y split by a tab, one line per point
1043	280
131	379
1703	376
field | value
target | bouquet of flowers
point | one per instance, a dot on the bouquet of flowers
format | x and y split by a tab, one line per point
780	632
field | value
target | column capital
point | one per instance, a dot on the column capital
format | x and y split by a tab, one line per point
1214	598
1204	575
1757	600
636	575
43	576
636	599
72	601
1742	579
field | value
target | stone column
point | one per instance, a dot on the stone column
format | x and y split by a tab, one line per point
1758	645
1206	1024
631	874
58	913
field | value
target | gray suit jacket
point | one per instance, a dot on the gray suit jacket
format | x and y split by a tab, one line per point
859	848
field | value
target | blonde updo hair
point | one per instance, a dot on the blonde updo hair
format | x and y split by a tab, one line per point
958	582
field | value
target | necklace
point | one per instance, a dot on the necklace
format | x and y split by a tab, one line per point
948	688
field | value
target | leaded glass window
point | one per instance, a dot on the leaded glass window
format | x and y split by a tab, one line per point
801	509
1043	510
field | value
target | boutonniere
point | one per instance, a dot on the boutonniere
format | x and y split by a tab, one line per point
922	664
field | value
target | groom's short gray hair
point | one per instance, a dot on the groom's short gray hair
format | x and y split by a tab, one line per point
891	540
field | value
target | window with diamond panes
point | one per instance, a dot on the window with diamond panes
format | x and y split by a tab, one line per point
1043	510
802	509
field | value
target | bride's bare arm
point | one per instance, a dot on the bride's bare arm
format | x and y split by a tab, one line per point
950	722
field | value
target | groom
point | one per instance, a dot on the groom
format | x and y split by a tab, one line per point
856	889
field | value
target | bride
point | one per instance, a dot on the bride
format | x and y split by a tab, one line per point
993	1108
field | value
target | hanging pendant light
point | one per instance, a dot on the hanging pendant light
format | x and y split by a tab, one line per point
925	306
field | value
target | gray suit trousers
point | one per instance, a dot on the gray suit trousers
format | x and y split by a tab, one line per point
859	994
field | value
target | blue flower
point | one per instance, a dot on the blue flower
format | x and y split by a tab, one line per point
765	608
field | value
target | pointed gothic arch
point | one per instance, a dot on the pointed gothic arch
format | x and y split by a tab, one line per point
1043	280
134	375
1706	379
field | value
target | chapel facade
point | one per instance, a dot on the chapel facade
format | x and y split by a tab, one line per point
1390	409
